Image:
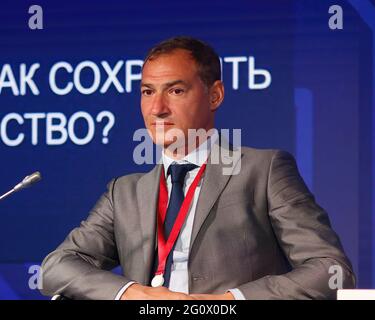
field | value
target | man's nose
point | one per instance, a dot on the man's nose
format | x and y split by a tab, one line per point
159	105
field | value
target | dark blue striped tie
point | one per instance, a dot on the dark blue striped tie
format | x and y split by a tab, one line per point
178	173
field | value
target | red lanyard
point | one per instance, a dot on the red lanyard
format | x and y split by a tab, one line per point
165	247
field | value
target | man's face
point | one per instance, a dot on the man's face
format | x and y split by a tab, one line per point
173	96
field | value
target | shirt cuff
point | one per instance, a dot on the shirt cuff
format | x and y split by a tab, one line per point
123	289
237	294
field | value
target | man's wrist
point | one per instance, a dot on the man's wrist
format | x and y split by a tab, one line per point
133	288
120	294
229	296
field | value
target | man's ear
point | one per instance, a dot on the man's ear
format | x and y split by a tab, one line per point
216	95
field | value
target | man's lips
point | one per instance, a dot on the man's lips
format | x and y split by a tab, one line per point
161	123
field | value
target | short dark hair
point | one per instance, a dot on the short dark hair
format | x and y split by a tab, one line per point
207	60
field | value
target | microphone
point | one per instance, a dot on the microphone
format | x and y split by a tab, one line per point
26	182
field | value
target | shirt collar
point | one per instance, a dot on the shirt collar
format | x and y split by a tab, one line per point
198	156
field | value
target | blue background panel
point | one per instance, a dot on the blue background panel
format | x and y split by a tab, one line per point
319	106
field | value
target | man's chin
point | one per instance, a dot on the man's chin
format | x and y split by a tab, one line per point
165	143
171	145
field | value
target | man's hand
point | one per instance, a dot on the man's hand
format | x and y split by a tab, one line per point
138	292
225	296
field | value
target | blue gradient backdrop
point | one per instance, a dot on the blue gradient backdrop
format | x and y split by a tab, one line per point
320	106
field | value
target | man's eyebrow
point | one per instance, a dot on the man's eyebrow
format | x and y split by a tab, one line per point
148	85
172	83
166	85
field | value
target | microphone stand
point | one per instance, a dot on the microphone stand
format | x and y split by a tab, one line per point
26	182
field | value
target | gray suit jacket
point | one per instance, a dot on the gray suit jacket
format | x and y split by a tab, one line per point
259	230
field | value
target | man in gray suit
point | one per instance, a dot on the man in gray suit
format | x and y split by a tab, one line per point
249	231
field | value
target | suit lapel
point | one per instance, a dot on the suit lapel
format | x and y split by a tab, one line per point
147	197
220	168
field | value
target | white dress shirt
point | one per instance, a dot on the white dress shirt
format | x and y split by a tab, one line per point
179	278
